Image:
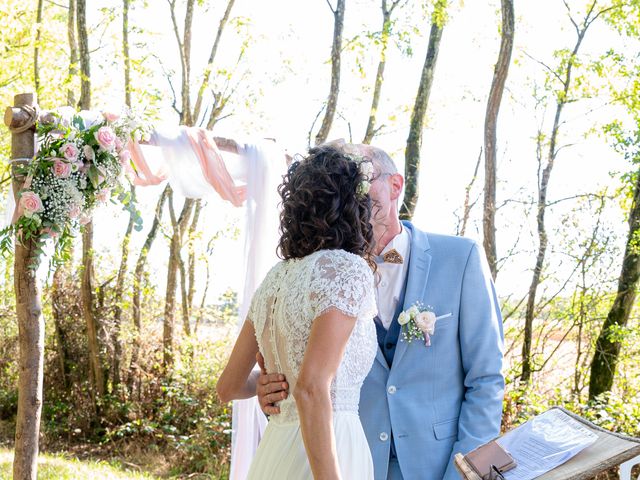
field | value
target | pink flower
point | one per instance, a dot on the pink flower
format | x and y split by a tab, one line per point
103	195
31	203
84	219
119	144
74	211
70	151
426	322
61	168
125	156
50	233
89	154
110	116
106	138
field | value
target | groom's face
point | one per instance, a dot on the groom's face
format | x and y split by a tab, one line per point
381	193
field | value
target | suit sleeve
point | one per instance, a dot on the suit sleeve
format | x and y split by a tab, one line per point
482	348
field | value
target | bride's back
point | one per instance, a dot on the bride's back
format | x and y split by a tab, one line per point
292	295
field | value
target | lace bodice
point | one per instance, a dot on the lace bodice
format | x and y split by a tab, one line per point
303	289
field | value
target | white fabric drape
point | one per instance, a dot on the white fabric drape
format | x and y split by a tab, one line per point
265	167
183	166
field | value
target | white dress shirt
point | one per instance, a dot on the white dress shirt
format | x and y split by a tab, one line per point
391	278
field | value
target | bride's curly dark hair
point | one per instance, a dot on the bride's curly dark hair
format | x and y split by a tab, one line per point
322	207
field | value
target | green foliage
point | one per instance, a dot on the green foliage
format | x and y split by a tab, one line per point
185	417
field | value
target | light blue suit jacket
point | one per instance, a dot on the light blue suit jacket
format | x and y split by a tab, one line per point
446	398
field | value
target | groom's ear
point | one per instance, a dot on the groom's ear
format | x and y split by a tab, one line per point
397	182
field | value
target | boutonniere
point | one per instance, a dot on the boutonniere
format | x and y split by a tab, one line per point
419	322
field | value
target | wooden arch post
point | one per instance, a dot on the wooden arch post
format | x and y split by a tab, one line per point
21	121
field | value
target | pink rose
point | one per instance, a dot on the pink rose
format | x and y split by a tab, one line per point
119	144
106	138
50	233
125	156
30	203
426	322
84	219
89	154
74	211
61	168
103	195
110	116
70	151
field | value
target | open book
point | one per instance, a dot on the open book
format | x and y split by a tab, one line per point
559	445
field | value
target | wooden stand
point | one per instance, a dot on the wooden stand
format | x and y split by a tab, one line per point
21	120
609	450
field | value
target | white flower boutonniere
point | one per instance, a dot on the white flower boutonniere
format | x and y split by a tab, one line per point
419	322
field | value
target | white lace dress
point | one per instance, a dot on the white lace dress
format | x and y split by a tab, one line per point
293	294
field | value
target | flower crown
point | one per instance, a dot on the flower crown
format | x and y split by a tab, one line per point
365	166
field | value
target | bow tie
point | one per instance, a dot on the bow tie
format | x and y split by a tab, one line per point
392	256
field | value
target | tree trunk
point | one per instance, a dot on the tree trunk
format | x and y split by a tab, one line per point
83	43
179	227
377	86
184	297
58	300
62	271
336	49
96	361
543	183
187	278
125	52
414	140
490	127
124	260
36	49
605	359
137	282
29	314
192	254
73	51
118	300
212	56
184	48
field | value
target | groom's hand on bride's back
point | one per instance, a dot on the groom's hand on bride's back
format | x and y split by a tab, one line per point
271	388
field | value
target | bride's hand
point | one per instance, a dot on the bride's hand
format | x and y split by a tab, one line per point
271	388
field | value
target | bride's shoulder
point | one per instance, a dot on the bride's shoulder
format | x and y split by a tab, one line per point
338	259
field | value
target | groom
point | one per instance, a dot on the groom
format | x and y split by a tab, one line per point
421	404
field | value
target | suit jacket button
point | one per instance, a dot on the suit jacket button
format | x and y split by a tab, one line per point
392	389
384	437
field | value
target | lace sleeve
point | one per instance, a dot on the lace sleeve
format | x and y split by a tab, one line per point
343	281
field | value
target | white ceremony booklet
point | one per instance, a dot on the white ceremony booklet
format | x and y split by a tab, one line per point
543	443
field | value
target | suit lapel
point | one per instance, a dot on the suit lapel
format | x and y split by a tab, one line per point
380	358
418	274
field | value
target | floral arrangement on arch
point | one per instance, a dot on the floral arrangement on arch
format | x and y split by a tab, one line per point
82	161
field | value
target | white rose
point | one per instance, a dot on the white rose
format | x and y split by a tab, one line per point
88	153
413	311
366	168
403	318
426	322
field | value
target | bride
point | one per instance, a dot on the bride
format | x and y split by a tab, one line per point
311	319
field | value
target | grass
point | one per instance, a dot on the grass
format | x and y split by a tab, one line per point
64	467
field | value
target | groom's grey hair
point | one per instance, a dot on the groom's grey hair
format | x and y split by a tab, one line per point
379	157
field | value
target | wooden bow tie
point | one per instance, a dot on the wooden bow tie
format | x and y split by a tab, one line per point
392	256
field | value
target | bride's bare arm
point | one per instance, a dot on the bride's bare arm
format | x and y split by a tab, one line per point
237	380
327	342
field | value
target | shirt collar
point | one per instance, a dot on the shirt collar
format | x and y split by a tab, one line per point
400	242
